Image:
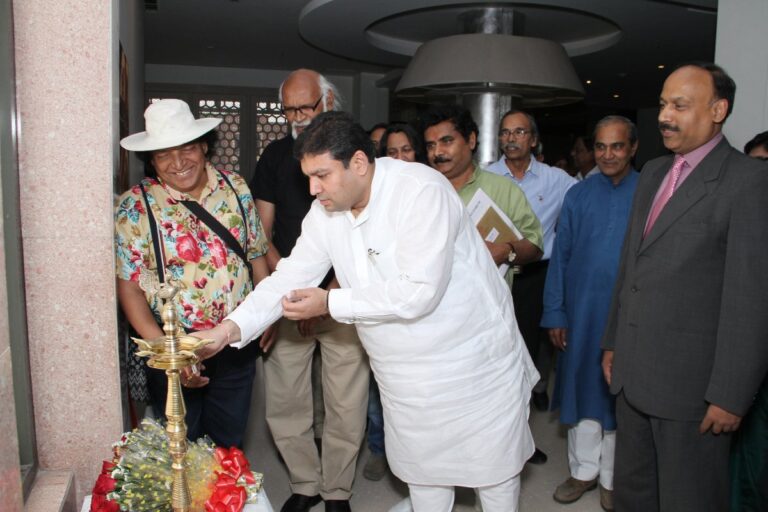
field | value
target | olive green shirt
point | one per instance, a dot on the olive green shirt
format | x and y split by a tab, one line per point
511	200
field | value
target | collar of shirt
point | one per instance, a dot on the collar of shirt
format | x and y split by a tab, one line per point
475	170
609	181
375	186
210	187
531	170
695	157
502	164
692	160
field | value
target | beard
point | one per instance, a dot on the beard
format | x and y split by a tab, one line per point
298	124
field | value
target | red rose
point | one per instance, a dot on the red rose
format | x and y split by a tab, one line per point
186	248
200	283
218	253
100	503
104	484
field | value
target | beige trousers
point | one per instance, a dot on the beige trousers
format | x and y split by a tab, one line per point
289	407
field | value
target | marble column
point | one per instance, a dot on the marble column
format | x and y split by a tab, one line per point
66	78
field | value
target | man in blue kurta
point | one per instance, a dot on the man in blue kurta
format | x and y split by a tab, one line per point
577	297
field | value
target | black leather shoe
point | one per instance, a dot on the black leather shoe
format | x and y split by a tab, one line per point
540	401
300	503
538	457
337	506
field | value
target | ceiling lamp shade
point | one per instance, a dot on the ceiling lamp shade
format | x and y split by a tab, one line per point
536	71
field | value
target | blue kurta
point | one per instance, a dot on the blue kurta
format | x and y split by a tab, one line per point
577	294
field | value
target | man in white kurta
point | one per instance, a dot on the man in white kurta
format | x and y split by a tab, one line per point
430	307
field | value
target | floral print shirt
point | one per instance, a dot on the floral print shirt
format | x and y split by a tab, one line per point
213	280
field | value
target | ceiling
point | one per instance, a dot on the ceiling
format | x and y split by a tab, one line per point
618	45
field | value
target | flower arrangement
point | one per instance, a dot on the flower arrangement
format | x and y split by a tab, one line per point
139	477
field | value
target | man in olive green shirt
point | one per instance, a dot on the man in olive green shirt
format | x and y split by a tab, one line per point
450	135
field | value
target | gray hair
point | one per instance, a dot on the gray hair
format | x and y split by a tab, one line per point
531	120
617	119
325	86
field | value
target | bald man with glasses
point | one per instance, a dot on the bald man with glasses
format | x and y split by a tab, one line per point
281	192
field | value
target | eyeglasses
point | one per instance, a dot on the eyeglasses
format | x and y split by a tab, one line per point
301	109
516	133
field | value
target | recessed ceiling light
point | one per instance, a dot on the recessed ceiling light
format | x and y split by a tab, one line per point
660	66
589	82
615	95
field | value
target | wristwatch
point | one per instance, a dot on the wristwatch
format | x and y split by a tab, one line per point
512	255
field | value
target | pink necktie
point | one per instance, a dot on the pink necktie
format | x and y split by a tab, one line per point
666	193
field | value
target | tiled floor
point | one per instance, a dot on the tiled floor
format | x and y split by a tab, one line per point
538	482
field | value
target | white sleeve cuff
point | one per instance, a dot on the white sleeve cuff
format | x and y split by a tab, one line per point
340	305
240	317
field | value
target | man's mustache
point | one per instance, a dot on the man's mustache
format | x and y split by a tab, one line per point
669	127
441	159
301	124
511	146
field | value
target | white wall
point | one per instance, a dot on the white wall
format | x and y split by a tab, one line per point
742	49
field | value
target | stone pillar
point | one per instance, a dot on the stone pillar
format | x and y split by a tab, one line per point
742	49
66	83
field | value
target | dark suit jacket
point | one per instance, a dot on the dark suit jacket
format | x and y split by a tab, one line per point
689	316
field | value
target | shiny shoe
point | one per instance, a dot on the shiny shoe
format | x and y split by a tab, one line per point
538	457
606	499
337	506
300	503
375	467
540	401
573	489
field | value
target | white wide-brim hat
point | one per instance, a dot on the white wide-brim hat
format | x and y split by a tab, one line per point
169	123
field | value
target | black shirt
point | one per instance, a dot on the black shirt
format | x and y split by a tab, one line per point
279	180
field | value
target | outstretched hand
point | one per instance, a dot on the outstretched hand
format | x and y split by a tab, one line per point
222	335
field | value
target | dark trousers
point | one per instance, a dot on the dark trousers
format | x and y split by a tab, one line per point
665	465
220	409
375	419
528	296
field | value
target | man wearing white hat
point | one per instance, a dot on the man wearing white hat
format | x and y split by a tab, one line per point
199	227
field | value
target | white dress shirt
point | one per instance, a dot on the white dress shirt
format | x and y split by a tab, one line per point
435	317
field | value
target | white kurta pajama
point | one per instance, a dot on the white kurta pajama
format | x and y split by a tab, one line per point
435	317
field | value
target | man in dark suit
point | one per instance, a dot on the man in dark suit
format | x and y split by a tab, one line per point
685	345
